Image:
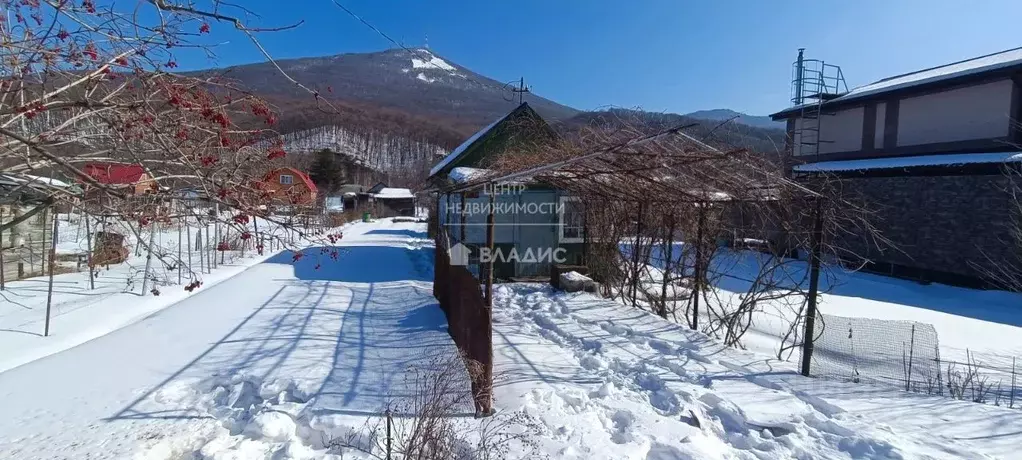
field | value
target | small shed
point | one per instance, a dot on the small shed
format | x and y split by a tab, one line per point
130	177
352	195
395	202
26	222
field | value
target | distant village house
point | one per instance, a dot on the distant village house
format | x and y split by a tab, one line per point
288	186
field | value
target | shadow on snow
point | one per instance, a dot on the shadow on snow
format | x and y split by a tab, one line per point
349	330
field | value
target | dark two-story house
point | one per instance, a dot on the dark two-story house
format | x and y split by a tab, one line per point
930	153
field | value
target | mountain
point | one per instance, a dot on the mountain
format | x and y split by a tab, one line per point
418	87
757	139
758	121
397	108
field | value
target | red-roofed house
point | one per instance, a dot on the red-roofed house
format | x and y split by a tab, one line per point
289	186
130	176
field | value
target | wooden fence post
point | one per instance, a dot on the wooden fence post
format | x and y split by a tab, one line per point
697	284
3	266
180	235
42	242
488	368
88	251
489	263
188	245
148	257
635	256
49	288
31	254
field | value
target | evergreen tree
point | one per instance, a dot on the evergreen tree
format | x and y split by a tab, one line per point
327	172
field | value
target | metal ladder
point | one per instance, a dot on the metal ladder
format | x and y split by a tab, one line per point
813	83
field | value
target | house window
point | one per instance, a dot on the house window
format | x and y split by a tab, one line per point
571	218
286	179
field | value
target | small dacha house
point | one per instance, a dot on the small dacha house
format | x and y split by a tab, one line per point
289	187
536	225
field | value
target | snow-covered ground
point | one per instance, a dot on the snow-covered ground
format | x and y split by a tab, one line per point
972	325
293	357
276	361
609	381
80	313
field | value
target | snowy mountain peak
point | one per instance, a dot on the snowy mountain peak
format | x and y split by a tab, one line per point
434	62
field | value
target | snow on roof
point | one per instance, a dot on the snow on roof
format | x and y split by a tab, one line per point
972	66
45	180
989	62
388	193
907	162
464	174
433	63
465	145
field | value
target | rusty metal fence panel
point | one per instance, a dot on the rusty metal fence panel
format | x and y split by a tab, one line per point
468	319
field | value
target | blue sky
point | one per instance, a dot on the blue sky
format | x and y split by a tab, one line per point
661	55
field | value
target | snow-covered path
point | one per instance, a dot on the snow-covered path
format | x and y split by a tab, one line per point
333	336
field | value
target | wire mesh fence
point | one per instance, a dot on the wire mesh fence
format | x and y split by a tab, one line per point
907	355
904	353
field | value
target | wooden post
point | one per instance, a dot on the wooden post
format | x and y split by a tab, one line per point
49	288
255	225
180	235
199	247
188	243
224	234
31	254
635	256
218	235
447	210
148	258
78	230
21	270
208	253
42	244
461	213
489	263
697	284
3	266
88	252
488	368
815	244
911	353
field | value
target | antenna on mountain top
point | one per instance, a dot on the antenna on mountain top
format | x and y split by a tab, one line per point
427	42
521	90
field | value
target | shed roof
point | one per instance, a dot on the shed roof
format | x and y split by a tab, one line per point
16	188
394	193
351	188
114	173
